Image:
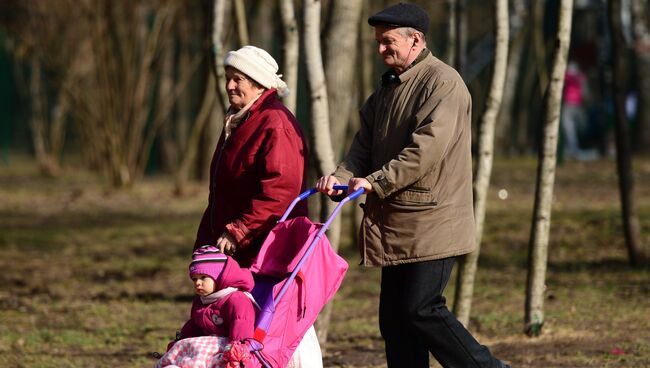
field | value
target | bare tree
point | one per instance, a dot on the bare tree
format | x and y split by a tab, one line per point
340	56
623	155
340	66
166	81
290	47
468	264
539	47
450	52
114	99
538	244
191	151
322	142
44	39
505	121
218	15
212	103
178	60
318	89
242	25
460	46
642	52
47	132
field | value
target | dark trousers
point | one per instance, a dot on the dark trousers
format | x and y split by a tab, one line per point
414	319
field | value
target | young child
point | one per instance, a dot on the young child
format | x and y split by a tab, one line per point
222	309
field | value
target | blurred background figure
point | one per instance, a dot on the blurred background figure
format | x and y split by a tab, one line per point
574	115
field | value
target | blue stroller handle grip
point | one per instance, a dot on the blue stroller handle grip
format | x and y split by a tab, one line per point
304	195
353	195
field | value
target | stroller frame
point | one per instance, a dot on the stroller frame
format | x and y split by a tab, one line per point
268	305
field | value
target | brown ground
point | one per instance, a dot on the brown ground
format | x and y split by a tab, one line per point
95	279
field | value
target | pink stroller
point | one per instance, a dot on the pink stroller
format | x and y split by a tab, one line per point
296	273
293	282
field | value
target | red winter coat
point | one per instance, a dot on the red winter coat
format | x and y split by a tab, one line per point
232	316
255	175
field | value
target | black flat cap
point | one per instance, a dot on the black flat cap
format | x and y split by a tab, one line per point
402	15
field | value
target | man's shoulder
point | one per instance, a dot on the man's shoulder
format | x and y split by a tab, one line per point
436	70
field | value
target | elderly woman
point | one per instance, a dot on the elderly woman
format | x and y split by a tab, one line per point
257	169
259	164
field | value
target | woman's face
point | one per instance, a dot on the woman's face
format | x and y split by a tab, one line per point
241	89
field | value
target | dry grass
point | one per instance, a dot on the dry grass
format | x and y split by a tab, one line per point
94	278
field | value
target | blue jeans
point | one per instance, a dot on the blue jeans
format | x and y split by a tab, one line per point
414	319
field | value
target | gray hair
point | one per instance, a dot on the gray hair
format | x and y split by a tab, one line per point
410	31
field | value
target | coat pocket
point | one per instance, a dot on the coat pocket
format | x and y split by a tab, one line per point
414	197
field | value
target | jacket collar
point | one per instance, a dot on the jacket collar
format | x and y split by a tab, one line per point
391	77
416	65
267	96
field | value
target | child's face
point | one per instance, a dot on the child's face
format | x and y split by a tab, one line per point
203	284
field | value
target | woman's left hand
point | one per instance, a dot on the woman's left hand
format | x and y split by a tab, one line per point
227	244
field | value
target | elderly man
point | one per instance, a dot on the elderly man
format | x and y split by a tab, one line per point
412	156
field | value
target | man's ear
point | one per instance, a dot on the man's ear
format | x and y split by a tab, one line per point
417	38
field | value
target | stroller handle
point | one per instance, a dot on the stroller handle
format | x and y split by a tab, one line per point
304	195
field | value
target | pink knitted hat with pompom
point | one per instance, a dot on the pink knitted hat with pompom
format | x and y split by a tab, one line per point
208	260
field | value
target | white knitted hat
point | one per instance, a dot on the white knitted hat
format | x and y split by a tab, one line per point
259	65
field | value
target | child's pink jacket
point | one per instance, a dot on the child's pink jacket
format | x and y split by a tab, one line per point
232	316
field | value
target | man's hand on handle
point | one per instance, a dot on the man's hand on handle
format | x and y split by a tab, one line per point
326	185
355	183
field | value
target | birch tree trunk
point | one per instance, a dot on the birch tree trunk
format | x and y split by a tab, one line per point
539	237
503	136
642	52
211	131
340	57
218	12
450	53
290	48
242	25
468	263
460	47
340	66
631	225
322	142
317	89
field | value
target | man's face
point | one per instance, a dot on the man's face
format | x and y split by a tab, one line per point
394	48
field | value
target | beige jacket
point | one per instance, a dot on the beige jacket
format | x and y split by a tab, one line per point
414	146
